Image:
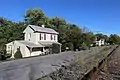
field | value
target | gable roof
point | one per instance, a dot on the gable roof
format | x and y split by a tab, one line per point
98	39
42	29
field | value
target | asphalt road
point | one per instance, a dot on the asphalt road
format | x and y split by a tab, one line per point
36	67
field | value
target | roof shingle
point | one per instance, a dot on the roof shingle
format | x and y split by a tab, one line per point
42	29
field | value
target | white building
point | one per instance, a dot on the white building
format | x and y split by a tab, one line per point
37	40
100	42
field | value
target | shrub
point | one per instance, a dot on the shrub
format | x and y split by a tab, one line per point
55	48
18	54
70	46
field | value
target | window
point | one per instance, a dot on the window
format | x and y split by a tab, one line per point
44	36
51	36
10	47
30	35
37	49
54	37
40	36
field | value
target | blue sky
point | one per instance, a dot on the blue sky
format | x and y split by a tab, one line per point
96	15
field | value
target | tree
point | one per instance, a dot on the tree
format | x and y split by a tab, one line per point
100	36
89	38
74	36
114	39
36	17
10	31
60	26
70	35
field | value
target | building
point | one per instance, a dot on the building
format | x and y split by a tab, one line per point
100	42
37	40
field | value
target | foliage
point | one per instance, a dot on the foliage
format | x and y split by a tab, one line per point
36	17
10	31
114	39
18	54
70	46
101	36
55	48
70	35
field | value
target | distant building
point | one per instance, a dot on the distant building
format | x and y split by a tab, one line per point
37	40
100	42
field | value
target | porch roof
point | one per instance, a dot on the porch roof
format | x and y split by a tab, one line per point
47	43
30	44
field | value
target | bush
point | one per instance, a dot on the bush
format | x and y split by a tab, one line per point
70	46
18	54
55	48
2	57
84	47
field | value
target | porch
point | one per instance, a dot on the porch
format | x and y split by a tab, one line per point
51	47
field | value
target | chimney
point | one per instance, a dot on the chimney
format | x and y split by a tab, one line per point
43	26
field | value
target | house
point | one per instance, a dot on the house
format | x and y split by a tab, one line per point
37	40
100	42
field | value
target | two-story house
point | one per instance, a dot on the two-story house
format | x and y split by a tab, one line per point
100	42
37	40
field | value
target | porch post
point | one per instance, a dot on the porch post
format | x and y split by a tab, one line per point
50	50
43	50
30	50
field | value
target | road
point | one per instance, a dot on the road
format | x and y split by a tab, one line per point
36	67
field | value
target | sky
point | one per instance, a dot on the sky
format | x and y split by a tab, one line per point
99	16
